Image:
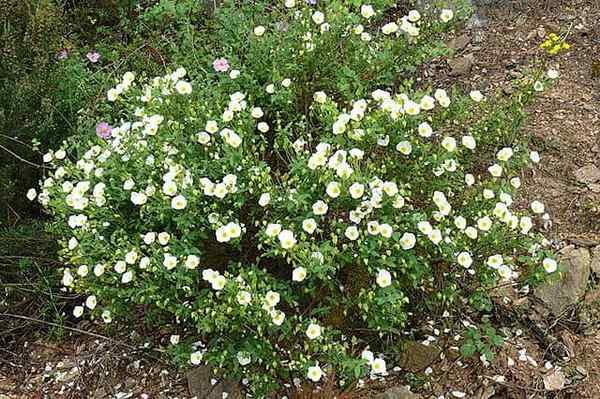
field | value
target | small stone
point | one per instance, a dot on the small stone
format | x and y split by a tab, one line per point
417	357
588	174
462	65
555	380
401	392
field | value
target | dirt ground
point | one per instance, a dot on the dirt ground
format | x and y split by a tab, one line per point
564	126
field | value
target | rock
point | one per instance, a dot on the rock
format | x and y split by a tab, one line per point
401	392
201	384
459	43
462	65
588	174
595	266
555	380
559	295
417	357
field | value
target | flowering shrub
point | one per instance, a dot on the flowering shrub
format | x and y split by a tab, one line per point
286	206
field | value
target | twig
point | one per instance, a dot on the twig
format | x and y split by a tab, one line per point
23	159
91	334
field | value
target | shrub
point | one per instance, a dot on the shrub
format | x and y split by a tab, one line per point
283	204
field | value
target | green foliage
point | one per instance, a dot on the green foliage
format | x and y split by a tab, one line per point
483	341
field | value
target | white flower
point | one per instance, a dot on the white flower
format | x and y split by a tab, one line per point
368	356
244	359
314	373
138	198
218	283
309	225
273	229
270	88
179	202
277	317
495	261
425	130
290	3
127	277
515	182
234	73
333	189
366	10
469	179
91	302
170	261
264	199
196	358
525	224
263	127
320	208
351	233
170	188
538	86
163	238
495	170
446	15
286	239
484	223
389	28
464	259
286	82
384	278
320	97
211	126
550	265
222	234
31	194
469	142
183	87
356	190
313	331
378	366
272	298
78	311
504	154
449	143
144	262
259	30
106	316
407	241
299	274
534	156
174	339
414	16
318	17
471	232
553	73
192	262
244	298
537	207
386	230
404	147
476	96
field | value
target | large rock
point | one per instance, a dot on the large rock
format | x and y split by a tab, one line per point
401	392
559	295
417	357
203	384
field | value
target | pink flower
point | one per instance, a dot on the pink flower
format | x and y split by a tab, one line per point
93	56
221	65
103	130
